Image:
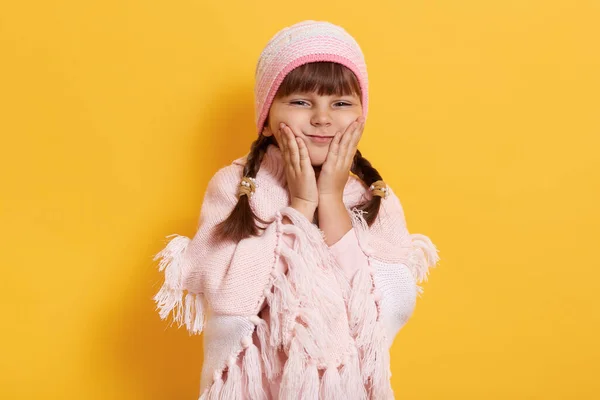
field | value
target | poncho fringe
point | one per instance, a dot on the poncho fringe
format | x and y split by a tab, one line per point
188	309
303	293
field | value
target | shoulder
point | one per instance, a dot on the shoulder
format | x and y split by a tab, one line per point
357	193
223	185
390	210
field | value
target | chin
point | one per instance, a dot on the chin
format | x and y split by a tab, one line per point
317	161
317	158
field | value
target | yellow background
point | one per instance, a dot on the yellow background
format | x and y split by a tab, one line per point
484	118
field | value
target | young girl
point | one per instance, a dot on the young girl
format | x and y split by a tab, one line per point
300	274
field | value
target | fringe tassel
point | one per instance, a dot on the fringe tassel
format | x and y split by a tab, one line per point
364	321
186	310
281	302
342	282
232	389
425	255
331	385
309	275
308	343
315	307
310	386
351	379
311	286
252	372
215	389
361	304
310	312
381	375
362	230
293	371
363	313
170	296
304	292
275	311
269	354
312	260
194	313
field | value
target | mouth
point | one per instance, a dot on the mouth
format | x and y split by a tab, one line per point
320	139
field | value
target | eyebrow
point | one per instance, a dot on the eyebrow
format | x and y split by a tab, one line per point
310	94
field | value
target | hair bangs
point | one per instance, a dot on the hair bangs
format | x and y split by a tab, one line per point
323	78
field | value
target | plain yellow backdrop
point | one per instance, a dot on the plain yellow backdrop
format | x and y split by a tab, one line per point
484	117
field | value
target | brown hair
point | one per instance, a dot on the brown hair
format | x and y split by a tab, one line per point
324	78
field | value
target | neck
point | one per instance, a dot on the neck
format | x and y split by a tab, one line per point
317	171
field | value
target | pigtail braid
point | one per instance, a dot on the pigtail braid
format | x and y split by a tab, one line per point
241	223
362	168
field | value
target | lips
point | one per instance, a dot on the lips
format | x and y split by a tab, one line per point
320	139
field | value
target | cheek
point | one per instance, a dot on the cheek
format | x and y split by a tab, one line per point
349	119
295	119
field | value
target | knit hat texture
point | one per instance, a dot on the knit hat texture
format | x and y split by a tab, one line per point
302	43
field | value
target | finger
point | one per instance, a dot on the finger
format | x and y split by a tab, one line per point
284	145
278	135
352	147
278	139
358	133
305	163
334	147
346	140
293	148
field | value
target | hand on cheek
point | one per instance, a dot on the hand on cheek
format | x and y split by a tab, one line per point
300	176
336	168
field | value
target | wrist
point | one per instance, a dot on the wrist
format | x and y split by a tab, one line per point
331	206
304	207
334	219
328	199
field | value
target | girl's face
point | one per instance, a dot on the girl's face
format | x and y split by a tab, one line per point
310	115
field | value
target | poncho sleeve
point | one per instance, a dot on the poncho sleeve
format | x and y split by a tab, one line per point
204	274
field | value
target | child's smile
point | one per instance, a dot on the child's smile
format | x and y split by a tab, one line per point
314	118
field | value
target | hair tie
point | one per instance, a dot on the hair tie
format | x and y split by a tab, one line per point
248	186
379	188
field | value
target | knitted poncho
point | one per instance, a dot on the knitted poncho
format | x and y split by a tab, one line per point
332	323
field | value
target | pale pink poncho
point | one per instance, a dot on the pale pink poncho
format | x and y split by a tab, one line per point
284	315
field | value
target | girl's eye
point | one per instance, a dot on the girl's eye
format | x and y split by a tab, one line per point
302	102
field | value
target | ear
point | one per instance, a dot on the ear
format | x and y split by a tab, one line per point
267	131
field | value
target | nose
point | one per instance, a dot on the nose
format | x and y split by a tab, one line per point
320	118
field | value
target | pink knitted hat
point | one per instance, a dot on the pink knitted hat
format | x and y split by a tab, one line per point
301	43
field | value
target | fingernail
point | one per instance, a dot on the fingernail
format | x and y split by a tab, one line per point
281	125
